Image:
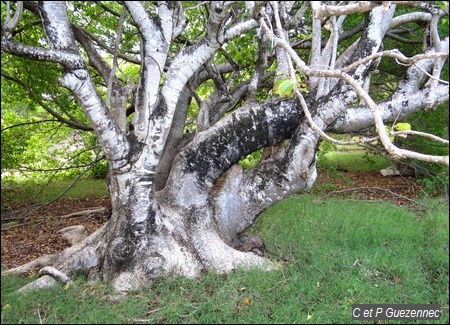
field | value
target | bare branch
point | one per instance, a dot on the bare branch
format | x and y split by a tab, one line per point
397	55
64	57
27	123
423	134
83	212
393	150
70	122
11	23
323	11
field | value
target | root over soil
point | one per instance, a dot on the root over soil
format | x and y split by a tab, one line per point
39	234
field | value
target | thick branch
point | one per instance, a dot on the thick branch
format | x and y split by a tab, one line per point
215	150
66	58
359	118
154	48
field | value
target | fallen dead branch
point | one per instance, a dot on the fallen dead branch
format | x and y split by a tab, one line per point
83	212
378	189
42	219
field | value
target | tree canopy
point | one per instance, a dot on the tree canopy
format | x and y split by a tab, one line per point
100	27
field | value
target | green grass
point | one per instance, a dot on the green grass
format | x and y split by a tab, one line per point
22	191
353	160
403	258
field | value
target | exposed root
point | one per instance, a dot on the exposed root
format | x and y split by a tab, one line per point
73	234
45	281
44	260
165	256
48	278
50	270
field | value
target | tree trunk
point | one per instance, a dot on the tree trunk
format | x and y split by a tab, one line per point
145	239
191	224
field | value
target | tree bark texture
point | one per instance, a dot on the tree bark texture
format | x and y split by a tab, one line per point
179	200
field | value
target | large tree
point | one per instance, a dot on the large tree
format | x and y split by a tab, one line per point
217	81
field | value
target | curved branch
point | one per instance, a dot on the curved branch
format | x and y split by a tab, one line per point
397	55
376	113
324	11
64	57
11	23
422	134
359	118
402	39
215	150
95	59
27	123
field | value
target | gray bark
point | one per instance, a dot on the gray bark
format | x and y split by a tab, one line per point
169	216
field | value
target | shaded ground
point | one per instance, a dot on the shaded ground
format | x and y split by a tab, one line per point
39	234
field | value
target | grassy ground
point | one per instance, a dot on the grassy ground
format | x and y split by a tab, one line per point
331	253
353	161
402	258
36	191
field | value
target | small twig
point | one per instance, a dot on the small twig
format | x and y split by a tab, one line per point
375	188
84	212
39	314
144	320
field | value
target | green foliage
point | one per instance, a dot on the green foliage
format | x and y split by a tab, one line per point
369	159
252	159
284	87
243	49
48	154
14	141
402	127
325	147
443	27
100	169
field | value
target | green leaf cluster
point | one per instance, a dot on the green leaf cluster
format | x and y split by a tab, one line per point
284	87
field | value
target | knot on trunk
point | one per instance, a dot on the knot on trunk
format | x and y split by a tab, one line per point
122	251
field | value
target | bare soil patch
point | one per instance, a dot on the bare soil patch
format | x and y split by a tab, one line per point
39	234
